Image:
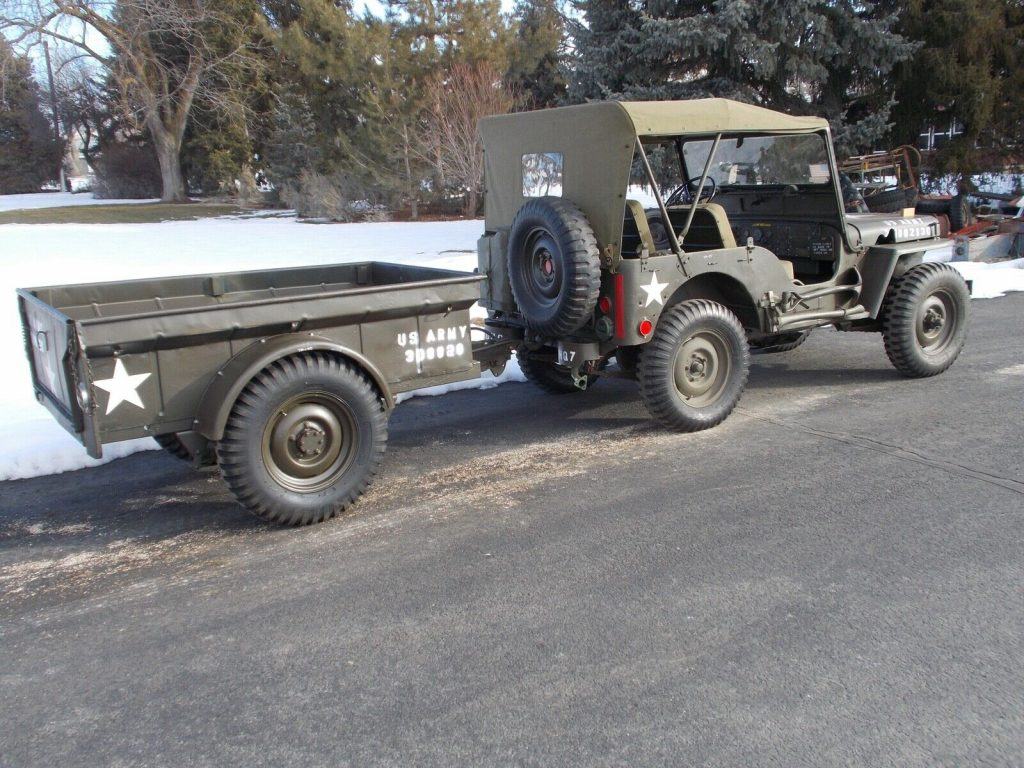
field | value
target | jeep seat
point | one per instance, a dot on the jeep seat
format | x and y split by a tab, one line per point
710	229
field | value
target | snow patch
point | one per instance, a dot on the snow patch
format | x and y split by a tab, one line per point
36	200
990	281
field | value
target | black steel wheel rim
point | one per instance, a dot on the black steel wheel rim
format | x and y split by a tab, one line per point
544	271
310	442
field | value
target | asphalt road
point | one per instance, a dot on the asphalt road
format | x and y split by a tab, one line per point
833	577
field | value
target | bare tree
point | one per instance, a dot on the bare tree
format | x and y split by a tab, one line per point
458	99
162	55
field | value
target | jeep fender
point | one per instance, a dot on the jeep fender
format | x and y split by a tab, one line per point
880	264
236	373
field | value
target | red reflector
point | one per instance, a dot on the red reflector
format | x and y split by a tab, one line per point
645	327
620	307
604	304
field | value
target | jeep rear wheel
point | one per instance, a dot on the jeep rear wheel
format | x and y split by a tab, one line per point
694	369
554	266
303	440
924	320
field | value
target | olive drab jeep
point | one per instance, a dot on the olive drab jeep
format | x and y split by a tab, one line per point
746	247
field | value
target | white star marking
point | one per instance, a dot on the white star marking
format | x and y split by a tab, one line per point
654	290
122	387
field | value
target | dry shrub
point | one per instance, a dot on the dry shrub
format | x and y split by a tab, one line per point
332	198
126	171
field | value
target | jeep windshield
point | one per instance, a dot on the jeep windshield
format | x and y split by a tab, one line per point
747	161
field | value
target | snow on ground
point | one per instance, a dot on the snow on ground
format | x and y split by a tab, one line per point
57	200
31	442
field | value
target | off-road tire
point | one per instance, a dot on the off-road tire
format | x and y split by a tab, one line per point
273	427
957	209
547	375
782	342
628	359
703	331
924	320
174	446
933	206
959	213
554	266
891	200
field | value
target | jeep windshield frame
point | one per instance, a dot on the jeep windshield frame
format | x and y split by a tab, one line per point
759	160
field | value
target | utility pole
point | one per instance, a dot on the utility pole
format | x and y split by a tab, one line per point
56	117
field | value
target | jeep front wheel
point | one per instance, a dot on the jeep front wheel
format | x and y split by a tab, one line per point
693	371
924	321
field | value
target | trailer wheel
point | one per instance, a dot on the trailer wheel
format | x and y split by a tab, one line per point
694	369
554	266
304	439
544	373
924	320
174	445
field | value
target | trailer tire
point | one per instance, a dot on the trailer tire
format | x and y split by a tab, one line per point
304	439
547	375
174	445
694	369
924	320
554	266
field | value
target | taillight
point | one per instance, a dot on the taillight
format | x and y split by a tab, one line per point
605	305
645	327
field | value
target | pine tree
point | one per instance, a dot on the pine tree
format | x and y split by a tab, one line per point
29	153
967	70
534	72
825	57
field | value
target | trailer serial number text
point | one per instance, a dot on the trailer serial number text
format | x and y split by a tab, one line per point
436	345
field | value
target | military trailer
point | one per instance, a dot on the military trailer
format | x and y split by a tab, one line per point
286	377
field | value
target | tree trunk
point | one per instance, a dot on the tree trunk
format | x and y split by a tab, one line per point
471	204
168	155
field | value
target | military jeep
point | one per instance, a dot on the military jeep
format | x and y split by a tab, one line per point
747	247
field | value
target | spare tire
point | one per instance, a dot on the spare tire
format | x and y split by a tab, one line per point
554	266
891	200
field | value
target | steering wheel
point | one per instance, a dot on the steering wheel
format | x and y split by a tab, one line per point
707	194
685	192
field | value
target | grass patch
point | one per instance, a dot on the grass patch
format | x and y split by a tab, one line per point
142	213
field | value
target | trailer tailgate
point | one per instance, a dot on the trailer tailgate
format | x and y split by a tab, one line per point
60	374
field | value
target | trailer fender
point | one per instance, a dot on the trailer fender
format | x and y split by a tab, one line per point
236	373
